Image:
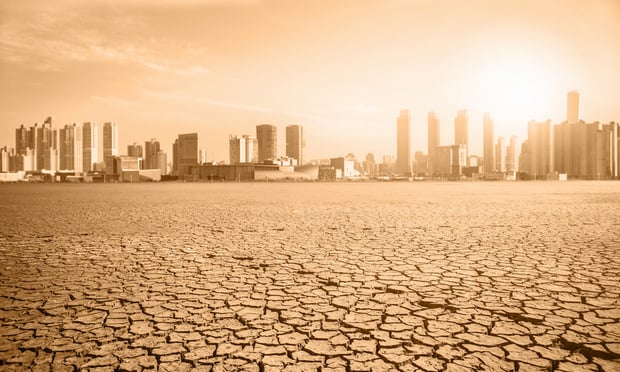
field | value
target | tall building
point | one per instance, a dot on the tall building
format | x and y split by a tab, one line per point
110	145
572	107
295	142
21	139
71	151
500	155
134	150
461	129
90	146
267	136
161	162
242	149
488	150
403	143
151	149
540	149
186	153
433	140
512	158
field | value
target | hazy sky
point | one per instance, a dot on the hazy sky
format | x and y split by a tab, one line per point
342	69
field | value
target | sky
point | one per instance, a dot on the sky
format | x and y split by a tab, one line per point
343	69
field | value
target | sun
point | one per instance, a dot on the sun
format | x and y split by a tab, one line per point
515	90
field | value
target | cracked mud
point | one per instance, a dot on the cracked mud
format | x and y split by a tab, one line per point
331	277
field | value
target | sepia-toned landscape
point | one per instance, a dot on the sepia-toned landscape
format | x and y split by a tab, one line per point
302	276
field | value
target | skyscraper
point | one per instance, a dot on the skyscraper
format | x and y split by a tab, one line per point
295	142
572	107
403	143
461	129
500	155
21	140
90	145
71	150
512	159
151	148
267	136
489	139
186	153
433	141
134	150
540	149
242	149
110	145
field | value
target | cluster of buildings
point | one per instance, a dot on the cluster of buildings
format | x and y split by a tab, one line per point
71	153
572	149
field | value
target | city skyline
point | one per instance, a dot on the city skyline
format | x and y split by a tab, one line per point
312	64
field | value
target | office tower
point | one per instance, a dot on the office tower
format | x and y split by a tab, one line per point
512	159
151	149
295	142
185	153
461	130
572	107
267	136
134	150
21	139
110	145
540	147
242	149
403	143
433	140
71	150
489	139
4	160
161	162
500	155
202	156
90	146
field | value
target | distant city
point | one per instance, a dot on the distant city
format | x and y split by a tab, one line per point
572	149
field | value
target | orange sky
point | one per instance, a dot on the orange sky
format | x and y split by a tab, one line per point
342	69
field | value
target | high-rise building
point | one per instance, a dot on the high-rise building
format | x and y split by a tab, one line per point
186	153
433	140
161	162
134	150
500	155
151	149
90	146
295	142
110	145
512	158
461	130
403	143
267	136
71	151
21	139
488	150
242	149
540	148
572	107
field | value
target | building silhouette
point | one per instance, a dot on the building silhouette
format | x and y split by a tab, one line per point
71	149
151	149
488	145
433	141
403	143
267	137
461	130
500	155
90	146
295	142
512	159
110	145
242	149
185	153
539	150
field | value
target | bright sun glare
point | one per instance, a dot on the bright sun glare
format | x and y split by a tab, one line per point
515	91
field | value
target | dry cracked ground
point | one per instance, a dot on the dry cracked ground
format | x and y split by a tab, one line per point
331	277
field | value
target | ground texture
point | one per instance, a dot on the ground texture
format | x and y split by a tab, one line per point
332	277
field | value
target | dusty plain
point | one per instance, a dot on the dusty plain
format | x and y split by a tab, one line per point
310	276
